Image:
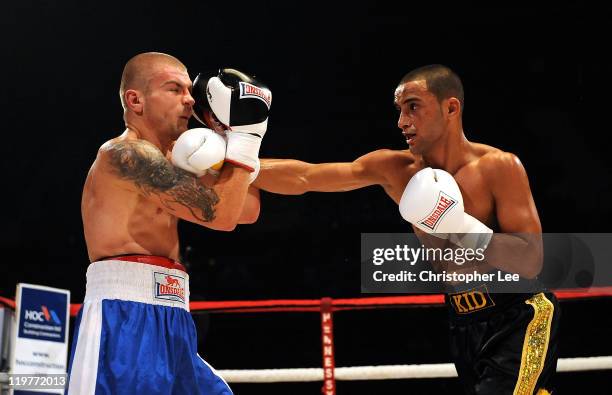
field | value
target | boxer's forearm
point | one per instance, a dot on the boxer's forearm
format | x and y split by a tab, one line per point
293	177
231	188
282	176
519	253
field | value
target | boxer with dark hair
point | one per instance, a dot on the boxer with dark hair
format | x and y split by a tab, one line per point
509	344
134	333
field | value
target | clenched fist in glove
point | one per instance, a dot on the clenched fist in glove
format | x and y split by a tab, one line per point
241	104
433	203
198	150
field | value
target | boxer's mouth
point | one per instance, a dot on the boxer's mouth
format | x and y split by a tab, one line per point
409	136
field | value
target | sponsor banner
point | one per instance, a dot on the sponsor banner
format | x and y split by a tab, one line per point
7	317
40	337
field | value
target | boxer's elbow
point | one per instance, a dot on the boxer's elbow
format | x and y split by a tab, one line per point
222	225
533	266
532	270
227	227
224	220
250	217
302	185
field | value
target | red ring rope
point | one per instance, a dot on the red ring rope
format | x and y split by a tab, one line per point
314	305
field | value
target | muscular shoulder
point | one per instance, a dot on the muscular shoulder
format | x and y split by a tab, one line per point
390	168
496	160
137	161
129	150
386	159
139	167
499	166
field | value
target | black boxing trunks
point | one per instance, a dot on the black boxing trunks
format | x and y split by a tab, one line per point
504	343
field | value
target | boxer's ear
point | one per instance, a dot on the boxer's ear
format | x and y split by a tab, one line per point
134	100
453	106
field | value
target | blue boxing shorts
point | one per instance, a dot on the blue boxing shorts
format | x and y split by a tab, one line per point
134	333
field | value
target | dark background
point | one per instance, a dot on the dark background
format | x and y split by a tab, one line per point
536	84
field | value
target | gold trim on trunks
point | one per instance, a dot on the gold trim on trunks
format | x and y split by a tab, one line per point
535	345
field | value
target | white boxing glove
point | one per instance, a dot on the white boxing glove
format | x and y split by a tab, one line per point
433	203
198	150
473	234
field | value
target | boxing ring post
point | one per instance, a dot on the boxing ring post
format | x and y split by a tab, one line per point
327	339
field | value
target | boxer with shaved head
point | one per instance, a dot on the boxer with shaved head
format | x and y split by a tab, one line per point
134	333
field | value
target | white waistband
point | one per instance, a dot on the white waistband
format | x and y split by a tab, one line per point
137	282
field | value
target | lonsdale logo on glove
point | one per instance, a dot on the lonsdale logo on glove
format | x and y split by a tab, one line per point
248	90
443	205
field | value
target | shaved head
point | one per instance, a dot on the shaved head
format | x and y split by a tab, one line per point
138	71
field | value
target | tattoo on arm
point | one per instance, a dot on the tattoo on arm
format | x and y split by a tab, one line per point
143	164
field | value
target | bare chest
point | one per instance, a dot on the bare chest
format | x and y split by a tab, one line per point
477	196
113	204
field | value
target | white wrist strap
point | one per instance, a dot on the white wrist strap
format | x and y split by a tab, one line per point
242	149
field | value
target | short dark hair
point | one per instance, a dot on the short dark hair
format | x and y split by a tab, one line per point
441	81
